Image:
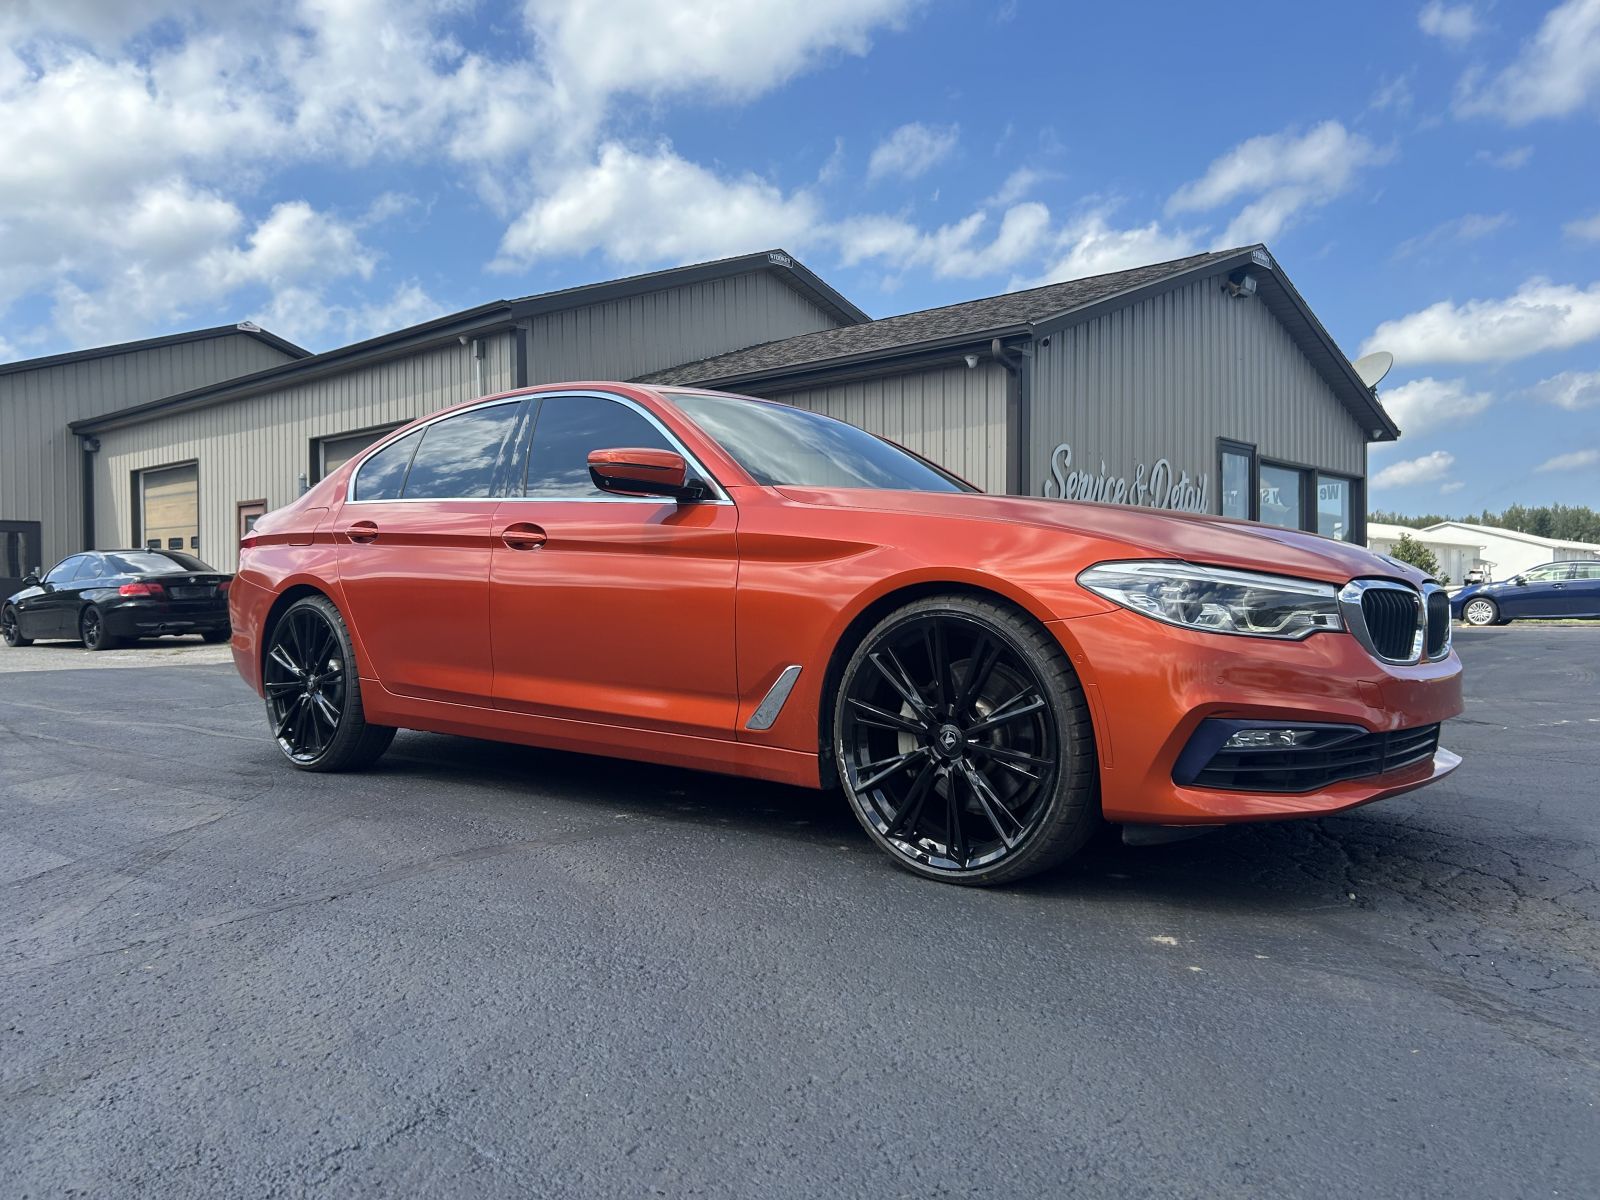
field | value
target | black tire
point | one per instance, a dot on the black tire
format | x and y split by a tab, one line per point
999	741
313	691
1480	610
10	631
213	636
92	630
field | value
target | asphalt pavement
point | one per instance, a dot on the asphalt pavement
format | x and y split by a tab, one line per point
479	970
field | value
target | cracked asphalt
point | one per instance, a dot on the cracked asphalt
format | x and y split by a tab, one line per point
481	970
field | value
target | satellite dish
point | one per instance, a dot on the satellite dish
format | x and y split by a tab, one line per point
1373	367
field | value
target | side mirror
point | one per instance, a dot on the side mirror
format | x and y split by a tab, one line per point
1520	580
31	579
640	472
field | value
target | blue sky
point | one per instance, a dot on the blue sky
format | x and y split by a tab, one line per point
1427	173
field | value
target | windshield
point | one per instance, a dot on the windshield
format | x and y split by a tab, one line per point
151	562
779	445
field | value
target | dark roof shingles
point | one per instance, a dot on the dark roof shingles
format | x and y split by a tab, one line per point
969	318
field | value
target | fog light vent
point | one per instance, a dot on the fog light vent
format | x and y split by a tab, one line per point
1268	739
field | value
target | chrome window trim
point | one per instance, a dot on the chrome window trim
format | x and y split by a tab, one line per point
1355	618
718	496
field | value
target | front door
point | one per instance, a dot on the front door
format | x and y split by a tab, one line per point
19	553
607	609
414	543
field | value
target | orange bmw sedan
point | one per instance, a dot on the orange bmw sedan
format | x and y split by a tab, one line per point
736	585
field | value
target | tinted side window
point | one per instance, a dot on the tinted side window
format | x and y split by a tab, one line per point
381	476
62	572
458	455
89	568
568	427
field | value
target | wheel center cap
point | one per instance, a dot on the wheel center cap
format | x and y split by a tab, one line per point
947	740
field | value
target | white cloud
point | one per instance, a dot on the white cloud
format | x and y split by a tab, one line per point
1539	316
645	208
1017	185
961	249
1450	488
1585	229
912	151
1571	390
126	146
1429	468
1454	23
1091	245
1469	228
1428	403
737	48
305	315
1556	72
1283	174
1513	159
1574	461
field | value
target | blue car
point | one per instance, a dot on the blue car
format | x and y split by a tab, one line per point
1550	590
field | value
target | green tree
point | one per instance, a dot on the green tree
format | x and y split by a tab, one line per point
1409	550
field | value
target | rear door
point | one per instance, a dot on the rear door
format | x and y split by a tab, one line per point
1581	596
414	540
609	609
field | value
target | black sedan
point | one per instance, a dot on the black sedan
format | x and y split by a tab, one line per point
106	597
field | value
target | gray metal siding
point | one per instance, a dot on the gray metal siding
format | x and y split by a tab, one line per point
624	339
1166	377
40	469
955	416
257	448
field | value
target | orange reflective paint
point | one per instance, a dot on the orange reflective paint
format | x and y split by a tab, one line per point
712	631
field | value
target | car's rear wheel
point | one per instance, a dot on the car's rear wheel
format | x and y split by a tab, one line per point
313	692
92	629
963	741
1481	611
10	630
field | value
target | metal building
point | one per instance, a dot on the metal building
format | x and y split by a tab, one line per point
1204	384
42	511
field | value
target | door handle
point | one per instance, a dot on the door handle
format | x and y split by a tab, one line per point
523	536
362	531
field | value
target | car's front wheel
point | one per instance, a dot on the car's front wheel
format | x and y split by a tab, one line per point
1480	610
313	693
10	630
963	741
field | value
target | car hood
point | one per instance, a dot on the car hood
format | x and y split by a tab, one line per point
1220	541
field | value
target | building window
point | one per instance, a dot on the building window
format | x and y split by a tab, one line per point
1281	495
330	453
1336	507
167	507
1237	468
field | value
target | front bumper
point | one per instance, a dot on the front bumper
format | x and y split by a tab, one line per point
1151	685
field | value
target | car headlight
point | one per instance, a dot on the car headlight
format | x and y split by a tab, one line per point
1218	600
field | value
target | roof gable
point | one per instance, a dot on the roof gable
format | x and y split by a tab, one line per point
1033	312
246	328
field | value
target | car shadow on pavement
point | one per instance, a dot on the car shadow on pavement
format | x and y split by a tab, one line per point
1272	865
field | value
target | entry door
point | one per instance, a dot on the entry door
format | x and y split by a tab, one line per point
413	547
605	609
19	553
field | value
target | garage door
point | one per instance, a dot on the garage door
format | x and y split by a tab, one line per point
170	508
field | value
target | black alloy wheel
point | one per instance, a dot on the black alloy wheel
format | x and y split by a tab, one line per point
313	694
10	631
92	629
963	741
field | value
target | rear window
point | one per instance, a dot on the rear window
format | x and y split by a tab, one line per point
153	562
